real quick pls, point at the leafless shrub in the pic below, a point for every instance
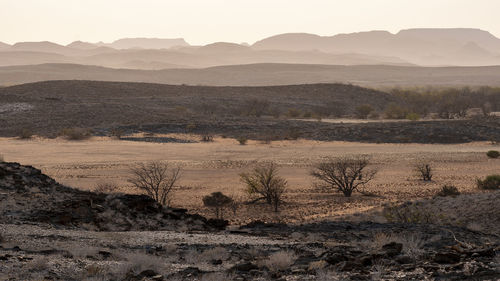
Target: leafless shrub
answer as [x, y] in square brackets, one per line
[424, 170]
[139, 262]
[156, 179]
[117, 133]
[281, 260]
[217, 201]
[345, 174]
[264, 181]
[410, 213]
[76, 133]
[216, 276]
[106, 187]
[217, 253]
[207, 137]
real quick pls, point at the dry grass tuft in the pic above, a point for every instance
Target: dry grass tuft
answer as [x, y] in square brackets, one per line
[281, 260]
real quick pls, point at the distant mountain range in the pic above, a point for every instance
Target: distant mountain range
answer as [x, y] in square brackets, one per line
[425, 47]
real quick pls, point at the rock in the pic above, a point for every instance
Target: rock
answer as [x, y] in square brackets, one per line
[148, 273]
[336, 258]
[392, 249]
[218, 223]
[245, 267]
[405, 260]
[446, 258]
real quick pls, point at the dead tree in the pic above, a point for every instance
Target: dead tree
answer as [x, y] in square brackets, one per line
[264, 182]
[156, 179]
[344, 174]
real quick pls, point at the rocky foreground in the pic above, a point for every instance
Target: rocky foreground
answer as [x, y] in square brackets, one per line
[52, 232]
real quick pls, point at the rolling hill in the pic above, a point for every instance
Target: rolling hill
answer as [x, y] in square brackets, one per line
[263, 74]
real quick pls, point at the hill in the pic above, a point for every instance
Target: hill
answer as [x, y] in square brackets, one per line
[263, 113]
[257, 74]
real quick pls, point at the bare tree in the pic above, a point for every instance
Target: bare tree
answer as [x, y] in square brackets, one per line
[264, 181]
[345, 174]
[156, 179]
[424, 170]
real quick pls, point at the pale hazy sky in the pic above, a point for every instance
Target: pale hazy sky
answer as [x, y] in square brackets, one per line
[207, 21]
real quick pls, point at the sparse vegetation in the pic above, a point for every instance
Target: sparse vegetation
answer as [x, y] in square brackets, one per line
[207, 137]
[448, 190]
[493, 154]
[409, 213]
[280, 261]
[491, 182]
[106, 187]
[242, 140]
[363, 111]
[117, 133]
[344, 174]
[217, 201]
[156, 179]
[26, 134]
[76, 133]
[264, 182]
[425, 171]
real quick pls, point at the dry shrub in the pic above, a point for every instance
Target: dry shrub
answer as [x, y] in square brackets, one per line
[139, 262]
[424, 170]
[75, 133]
[217, 253]
[117, 133]
[280, 261]
[344, 174]
[409, 212]
[242, 140]
[491, 182]
[2, 159]
[106, 187]
[156, 179]
[207, 137]
[264, 181]
[448, 190]
[26, 134]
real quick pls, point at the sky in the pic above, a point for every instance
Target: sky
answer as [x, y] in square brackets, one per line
[206, 21]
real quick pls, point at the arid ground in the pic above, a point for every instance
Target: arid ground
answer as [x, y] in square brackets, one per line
[215, 166]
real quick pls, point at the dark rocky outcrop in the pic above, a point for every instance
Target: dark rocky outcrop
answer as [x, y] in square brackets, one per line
[30, 196]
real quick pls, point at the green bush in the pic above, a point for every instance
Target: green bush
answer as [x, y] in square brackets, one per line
[242, 140]
[448, 190]
[490, 182]
[413, 116]
[493, 154]
[363, 111]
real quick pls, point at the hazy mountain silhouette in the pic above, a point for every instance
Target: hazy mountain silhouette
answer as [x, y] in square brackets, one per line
[82, 45]
[262, 75]
[147, 43]
[4, 46]
[413, 45]
[426, 47]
